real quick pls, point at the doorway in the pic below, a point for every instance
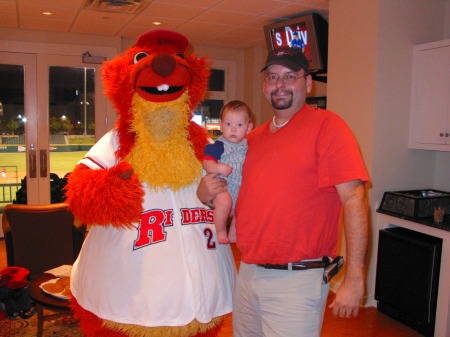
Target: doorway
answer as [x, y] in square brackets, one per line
[52, 110]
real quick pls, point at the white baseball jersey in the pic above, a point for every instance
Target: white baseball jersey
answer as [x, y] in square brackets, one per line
[166, 271]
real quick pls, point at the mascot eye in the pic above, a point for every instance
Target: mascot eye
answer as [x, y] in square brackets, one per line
[139, 56]
[180, 55]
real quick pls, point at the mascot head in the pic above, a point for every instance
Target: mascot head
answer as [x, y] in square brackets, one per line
[152, 75]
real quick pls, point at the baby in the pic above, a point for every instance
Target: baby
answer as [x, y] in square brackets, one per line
[226, 157]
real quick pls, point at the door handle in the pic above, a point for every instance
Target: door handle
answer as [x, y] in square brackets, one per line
[43, 163]
[32, 163]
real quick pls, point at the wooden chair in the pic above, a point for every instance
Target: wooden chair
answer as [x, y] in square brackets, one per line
[41, 237]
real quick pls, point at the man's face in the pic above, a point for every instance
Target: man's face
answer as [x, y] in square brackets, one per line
[287, 96]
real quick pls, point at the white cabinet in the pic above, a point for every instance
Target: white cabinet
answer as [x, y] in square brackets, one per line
[430, 97]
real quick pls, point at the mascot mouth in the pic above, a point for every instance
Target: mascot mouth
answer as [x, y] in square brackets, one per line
[162, 89]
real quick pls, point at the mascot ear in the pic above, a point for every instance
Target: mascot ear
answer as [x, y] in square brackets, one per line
[160, 36]
[201, 68]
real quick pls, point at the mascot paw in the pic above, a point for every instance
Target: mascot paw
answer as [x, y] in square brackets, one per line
[103, 197]
[123, 170]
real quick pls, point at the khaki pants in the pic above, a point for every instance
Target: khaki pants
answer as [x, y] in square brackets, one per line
[278, 303]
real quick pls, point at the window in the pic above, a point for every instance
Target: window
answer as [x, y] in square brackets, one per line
[220, 90]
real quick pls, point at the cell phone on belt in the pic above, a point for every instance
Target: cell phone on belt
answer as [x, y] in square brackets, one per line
[333, 268]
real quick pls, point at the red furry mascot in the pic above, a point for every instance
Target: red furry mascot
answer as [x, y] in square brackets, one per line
[150, 265]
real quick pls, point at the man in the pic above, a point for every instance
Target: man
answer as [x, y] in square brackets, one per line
[297, 42]
[302, 168]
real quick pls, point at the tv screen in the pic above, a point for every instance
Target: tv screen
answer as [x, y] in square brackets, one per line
[309, 32]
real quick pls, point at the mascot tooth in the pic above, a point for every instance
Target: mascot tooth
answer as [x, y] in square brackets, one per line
[150, 265]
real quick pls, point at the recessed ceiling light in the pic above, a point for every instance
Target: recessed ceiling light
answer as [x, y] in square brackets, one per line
[47, 13]
[156, 23]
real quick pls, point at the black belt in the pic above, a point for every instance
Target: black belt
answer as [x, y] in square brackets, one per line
[301, 265]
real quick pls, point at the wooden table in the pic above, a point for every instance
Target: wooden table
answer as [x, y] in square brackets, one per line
[45, 301]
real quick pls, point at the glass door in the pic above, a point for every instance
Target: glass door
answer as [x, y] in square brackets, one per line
[72, 108]
[55, 115]
[18, 99]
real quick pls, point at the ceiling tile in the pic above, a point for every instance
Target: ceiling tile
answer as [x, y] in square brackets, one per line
[58, 13]
[97, 28]
[208, 27]
[97, 17]
[165, 10]
[193, 3]
[225, 17]
[74, 4]
[45, 24]
[9, 21]
[253, 7]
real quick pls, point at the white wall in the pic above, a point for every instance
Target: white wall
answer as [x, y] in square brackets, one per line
[254, 59]
[441, 177]
[373, 46]
[351, 74]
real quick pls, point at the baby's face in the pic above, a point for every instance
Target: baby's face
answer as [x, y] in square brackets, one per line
[235, 125]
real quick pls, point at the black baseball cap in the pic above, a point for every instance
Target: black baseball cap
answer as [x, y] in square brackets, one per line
[288, 57]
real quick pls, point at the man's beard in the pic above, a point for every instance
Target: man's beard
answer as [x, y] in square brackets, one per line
[281, 104]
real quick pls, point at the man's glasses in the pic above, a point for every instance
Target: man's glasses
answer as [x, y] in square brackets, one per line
[286, 78]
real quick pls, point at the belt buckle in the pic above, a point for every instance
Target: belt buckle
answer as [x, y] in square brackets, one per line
[300, 265]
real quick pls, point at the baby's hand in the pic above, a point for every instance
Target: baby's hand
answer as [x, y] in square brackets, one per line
[226, 170]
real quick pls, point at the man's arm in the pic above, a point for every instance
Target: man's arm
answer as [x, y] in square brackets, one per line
[356, 226]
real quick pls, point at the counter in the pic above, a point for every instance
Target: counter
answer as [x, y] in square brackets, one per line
[427, 226]
[445, 226]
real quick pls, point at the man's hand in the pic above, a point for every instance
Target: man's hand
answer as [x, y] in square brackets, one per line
[209, 187]
[348, 298]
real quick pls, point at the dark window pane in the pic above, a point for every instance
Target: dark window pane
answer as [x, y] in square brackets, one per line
[72, 108]
[207, 114]
[212, 107]
[11, 97]
[217, 80]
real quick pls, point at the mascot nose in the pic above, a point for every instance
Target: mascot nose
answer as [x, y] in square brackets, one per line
[163, 64]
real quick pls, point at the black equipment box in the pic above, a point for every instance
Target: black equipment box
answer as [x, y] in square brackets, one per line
[407, 279]
[416, 203]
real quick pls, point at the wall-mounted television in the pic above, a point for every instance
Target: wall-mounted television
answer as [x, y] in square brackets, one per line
[312, 29]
